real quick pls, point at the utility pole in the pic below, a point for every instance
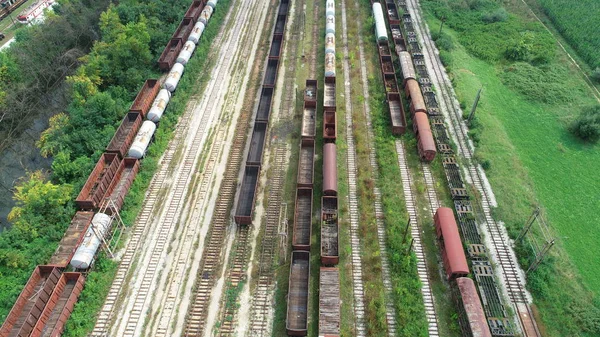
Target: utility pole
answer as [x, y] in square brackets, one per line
[441, 25]
[474, 106]
[529, 223]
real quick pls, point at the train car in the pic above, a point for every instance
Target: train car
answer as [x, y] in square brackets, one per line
[247, 197]
[28, 308]
[264, 105]
[186, 52]
[396, 113]
[93, 192]
[413, 93]
[306, 163]
[471, 316]
[125, 134]
[309, 114]
[174, 76]
[271, 73]
[453, 254]
[193, 13]
[185, 28]
[86, 252]
[145, 97]
[72, 239]
[276, 47]
[257, 144]
[297, 300]
[196, 33]
[329, 125]
[407, 67]
[330, 231]
[121, 183]
[329, 302]
[302, 219]
[169, 55]
[159, 105]
[380, 27]
[329, 169]
[142, 140]
[425, 142]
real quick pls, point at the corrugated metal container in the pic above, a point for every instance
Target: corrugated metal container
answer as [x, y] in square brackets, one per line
[31, 302]
[84, 255]
[194, 11]
[329, 169]
[144, 98]
[330, 8]
[185, 28]
[380, 28]
[408, 69]
[247, 197]
[93, 192]
[453, 253]
[196, 32]
[302, 219]
[186, 52]
[329, 65]
[330, 25]
[205, 15]
[472, 311]
[59, 306]
[330, 230]
[125, 133]
[297, 310]
[71, 240]
[174, 77]
[142, 140]
[122, 181]
[169, 54]
[330, 43]
[425, 142]
[159, 105]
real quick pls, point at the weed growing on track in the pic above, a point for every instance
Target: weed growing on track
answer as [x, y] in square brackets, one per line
[535, 161]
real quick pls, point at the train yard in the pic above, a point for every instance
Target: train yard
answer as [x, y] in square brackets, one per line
[201, 257]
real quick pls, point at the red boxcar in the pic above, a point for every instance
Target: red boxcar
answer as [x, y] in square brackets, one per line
[93, 192]
[329, 169]
[122, 181]
[425, 142]
[453, 253]
[470, 313]
[145, 97]
[169, 54]
[125, 134]
[413, 93]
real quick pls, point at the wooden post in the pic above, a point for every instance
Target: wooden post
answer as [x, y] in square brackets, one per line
[530, 222]
[412, 241]
[441, 25]
[406, 231]
[474, 106]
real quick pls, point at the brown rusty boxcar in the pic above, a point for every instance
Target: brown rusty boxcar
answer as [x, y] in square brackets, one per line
[297, 309]
[302, 219]
[329, 125]
[125, 134]
[194, 11]
[245, 207]
[28, 308]
[329, 169]
[306, 163]
[396, 113]
[94, 190]
[185, 28]
[169, 54]
[145, 97]
[425, 142]
[71, 240]
[122, 181]
[329, 302]
[470, 313]
[329, 93]
[329, 231]
[453, 253]
[413, 93]
[59, 306]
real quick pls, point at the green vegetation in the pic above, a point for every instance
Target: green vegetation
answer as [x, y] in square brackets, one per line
[578, 22]
[532, 159]
[587, 125]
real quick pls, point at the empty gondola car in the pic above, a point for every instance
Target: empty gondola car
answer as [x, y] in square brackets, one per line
[302, 219]
[297, 301]
[329, 302]
[453, 254]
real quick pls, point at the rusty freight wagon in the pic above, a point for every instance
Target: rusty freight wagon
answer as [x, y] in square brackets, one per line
[169, 54]
[30, 304]
[145, 97]
[309, 114]
[413, 93]
[396, 113]
[470, 311]
[125, 134]
[297, 301]
[329, 302]
[122, 181]
[185, 28]
[425, 142]
[306, 163]
[245, 208]
[264, 105]
[329, 231]
[271, 73]
[193, 13]
[71, 240]
[257, 144]
[453, 253]
[329, 169]
[302, 219]
[276, 47]
[93, 192]
[59, 306]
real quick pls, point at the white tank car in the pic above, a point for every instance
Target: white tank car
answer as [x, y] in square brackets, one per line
[84, 255]
[380, 28]
[330, 8]
[142, 140]
[329, 65]
[196, 32]
[159, 105]
[186, 52]
[174, 77]
[330, 44]
[212, 3]
[330, 24]
[206, 14]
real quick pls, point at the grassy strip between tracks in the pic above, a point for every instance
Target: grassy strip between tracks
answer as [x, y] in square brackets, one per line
[532, 160]
[193, 81]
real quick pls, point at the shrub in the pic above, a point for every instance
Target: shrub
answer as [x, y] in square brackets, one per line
[446, 58]
[498, 15]
[542, 84]
[595, 75]
[587, 125]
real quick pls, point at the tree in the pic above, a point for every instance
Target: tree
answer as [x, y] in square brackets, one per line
[587, 125]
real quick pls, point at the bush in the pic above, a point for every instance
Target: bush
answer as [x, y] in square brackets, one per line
[541, 84]
[587, 125]
[498, 15]
[446, 58]
[595, 75]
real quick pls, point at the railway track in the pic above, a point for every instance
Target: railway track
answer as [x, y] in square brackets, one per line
[501, 250]
[357, 281]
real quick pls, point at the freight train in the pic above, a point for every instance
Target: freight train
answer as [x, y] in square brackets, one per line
[49, 296]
